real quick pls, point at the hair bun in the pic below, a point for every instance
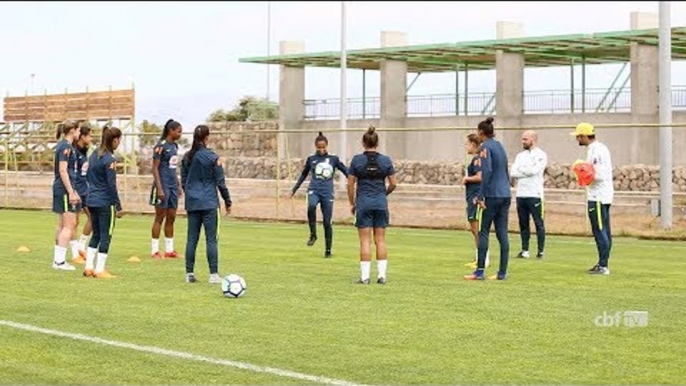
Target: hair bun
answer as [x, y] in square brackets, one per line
[371, 130]
[490, 119]
[321, 134]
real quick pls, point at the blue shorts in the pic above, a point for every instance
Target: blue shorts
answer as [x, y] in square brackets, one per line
[471, 211]
[171, 198]
[60, 204]
[371, 218]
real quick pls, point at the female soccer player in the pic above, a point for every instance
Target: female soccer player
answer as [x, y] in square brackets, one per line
[367, 192]
[78, 248]
[471, 182]
[321, 190]
[65, 202]
[201, 175]
[166, 189]
[103, 202]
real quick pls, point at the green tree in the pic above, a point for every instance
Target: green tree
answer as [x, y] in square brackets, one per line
[249, 108]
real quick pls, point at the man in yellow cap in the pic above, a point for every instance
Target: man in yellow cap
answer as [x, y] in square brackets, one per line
[600, 194]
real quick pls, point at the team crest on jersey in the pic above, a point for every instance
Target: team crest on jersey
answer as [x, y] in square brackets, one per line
[84, 169]
[173, 162]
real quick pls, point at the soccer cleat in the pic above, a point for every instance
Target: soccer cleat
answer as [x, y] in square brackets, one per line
[64, 266]
[215, 279]
[190, 278]
[311, 241]
[156, 256]
[595, 269]
[539, 255]
[82, 254]
[172, 255]
[78, 260]
[523, 255]
[88, 273]
[103, 275]
[381, 280]
[497, 276]
[474, 276]
[600, 271]
[327, 255]
[360, 281]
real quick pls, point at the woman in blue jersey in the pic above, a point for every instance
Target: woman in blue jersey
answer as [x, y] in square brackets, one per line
[103, 202]
[81, 146]
[65, 199]
[322, 166]
[202, 175]
[166, 188]
[367, 192]
[471, 183]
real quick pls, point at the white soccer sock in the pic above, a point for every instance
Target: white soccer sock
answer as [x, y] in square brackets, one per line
[74, 249]
[100, 265]
[381, 265]
[169, 245]
[60, 254]
[155, 246]
[365, 267]
[90, 258]
[83, 240]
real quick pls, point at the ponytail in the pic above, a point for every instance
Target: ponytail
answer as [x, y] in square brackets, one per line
[64, 128]
[199, 134]
[486, 127]
[321, 138]
[370, 139]
[109, 134]
[169, 126]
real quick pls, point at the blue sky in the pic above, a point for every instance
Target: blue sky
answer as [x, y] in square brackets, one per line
[183, 56]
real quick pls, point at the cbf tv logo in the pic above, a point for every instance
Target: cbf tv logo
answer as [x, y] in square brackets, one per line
[626, 319]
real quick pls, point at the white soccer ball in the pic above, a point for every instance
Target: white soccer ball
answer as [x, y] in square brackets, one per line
[323, 170]
[233, 286]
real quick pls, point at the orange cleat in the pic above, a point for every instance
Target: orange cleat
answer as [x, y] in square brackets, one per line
[88, 273]
[172, 255]
[103, 275]
[79, 260]
[156, 256]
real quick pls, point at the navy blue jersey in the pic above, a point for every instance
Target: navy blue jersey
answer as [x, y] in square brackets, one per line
[200, 179]
[371, 186]
[81, 183]
[472, 188]
[495, 175]
[166, 152]
[64, 152]
[102, 181]
[322, 168]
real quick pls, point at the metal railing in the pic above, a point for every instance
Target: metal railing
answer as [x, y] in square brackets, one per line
[613, 100]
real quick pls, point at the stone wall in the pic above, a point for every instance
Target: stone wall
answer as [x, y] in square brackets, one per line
[626, 178]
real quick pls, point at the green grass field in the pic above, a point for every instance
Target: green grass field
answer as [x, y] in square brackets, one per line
[302, 313]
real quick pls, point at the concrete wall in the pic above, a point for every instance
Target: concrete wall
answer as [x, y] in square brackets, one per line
[629, 146]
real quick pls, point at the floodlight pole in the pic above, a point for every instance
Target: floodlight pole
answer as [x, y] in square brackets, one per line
[665, 87]
[344, 100]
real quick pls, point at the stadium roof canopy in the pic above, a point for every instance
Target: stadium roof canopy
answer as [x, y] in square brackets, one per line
[545, 51]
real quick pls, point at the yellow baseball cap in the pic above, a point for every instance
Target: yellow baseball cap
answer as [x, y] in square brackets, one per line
[584, 128]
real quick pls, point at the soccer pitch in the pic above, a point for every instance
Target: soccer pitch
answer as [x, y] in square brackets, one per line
[302, 316]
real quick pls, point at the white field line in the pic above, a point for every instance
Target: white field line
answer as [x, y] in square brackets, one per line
[181, 354]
